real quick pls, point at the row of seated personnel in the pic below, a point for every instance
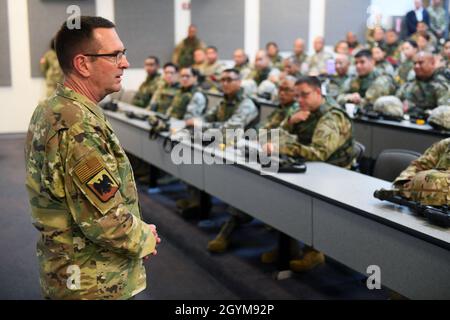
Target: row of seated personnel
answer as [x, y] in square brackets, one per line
[318, 131]
[176, 93]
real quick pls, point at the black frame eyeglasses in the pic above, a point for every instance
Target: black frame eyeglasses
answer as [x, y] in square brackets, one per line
[117, 55]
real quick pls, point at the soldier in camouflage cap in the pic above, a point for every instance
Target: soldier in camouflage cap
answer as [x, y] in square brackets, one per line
[164, 95]
[440, 118]
[389, 106]
[428, 90]
[369, 85]
[51, 70]
[321, 132]
[427, 179]
[80, 183]
[148, 87]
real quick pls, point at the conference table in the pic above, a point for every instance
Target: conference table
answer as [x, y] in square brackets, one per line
[327, 207]
[375, 134]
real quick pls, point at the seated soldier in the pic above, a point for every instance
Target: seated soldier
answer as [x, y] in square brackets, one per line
[317, 63]
[165, 93]
[319, 131]
[376, 37]
[148, 87]
[431, 166]
[368, 85]
[199, 60]
[291, 67]
[299, 54]
[189, 102]
[286, 107]
[405, 70]
[423, 43]
[262, 70]
[340, 80]
[353, 43]
[381, 64]
[234, 111]
[183, 53]
[212, 69]
[392, 47]
[422, 30]
[274, 56]
[428, 90]
[241, 63]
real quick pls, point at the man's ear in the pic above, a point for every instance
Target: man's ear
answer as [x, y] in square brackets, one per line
[81, 65]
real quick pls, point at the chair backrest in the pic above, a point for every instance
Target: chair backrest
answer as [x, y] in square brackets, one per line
[391, 162]
[358, 153]
[128, 96]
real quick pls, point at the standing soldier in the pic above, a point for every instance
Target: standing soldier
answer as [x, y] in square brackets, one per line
[148, 87]
[80, 183]
[438, 21]
[51, 70]
[183, 55]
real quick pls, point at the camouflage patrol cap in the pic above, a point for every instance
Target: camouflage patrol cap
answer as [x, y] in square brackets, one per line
[389, 106]
[440, 117]
[430, 188]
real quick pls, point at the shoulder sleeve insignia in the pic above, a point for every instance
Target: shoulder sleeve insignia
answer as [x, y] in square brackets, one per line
[103, 185]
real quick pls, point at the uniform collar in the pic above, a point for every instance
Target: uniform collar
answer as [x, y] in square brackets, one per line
[68, 93]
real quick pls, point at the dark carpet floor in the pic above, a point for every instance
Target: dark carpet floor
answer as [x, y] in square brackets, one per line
[183, 269]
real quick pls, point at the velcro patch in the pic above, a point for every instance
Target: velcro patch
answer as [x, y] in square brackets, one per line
[87, 169]
[103, 185]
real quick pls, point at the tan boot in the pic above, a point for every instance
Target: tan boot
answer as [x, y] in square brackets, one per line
[309, 261]
[222, 241]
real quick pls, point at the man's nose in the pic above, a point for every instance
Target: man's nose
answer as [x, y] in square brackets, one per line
[124, 64]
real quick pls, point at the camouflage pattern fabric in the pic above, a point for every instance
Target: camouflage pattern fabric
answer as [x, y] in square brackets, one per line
[404, 73]
[163, 97]
[183, 54]
[279, 115]
[84, 203]
[146, 90]
[52, 71]
[187, 103]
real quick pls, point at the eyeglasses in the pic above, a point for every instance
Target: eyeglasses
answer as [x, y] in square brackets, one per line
[228, 80]
[185, 76]
[118, 56]
[285, 89]
[303, 94]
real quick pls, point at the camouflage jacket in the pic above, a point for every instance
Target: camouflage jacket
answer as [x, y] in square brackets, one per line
[337, 84]
[233, 112]
[393, 52]
[146, 90]
[277, 62]
[404, 73]
[244, 70]
[327, 135]
[259, 75]
[437, 18]
[300, 59]
[212, 73]
[188, 103]
[370, 88]
[436, 157]
[275, 119]
[84, 203]
[183, 54]
[52, 71]
[163, 97]
[425, 94]
[317, 63]
[385, 67]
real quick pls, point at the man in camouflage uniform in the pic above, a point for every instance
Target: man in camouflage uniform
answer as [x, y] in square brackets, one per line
[212, 69]
[434, 163]
[381, 64]
[353, 43]
[341, 79]
[422, 30]
[163, 97]
[405, 70]
[369, 85]
[148, 87]
[241, 63]
[428, 90]
[183, 55]
[236, 111]
[299, 52]
[51, 70]
[81, 189]
[437, 18]
[188, 102]
[392, 47]
[376, 37]
[317, 63]
[446, 54]
[287, 106]
[319, 131]
[262, 70]
[274, 56]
